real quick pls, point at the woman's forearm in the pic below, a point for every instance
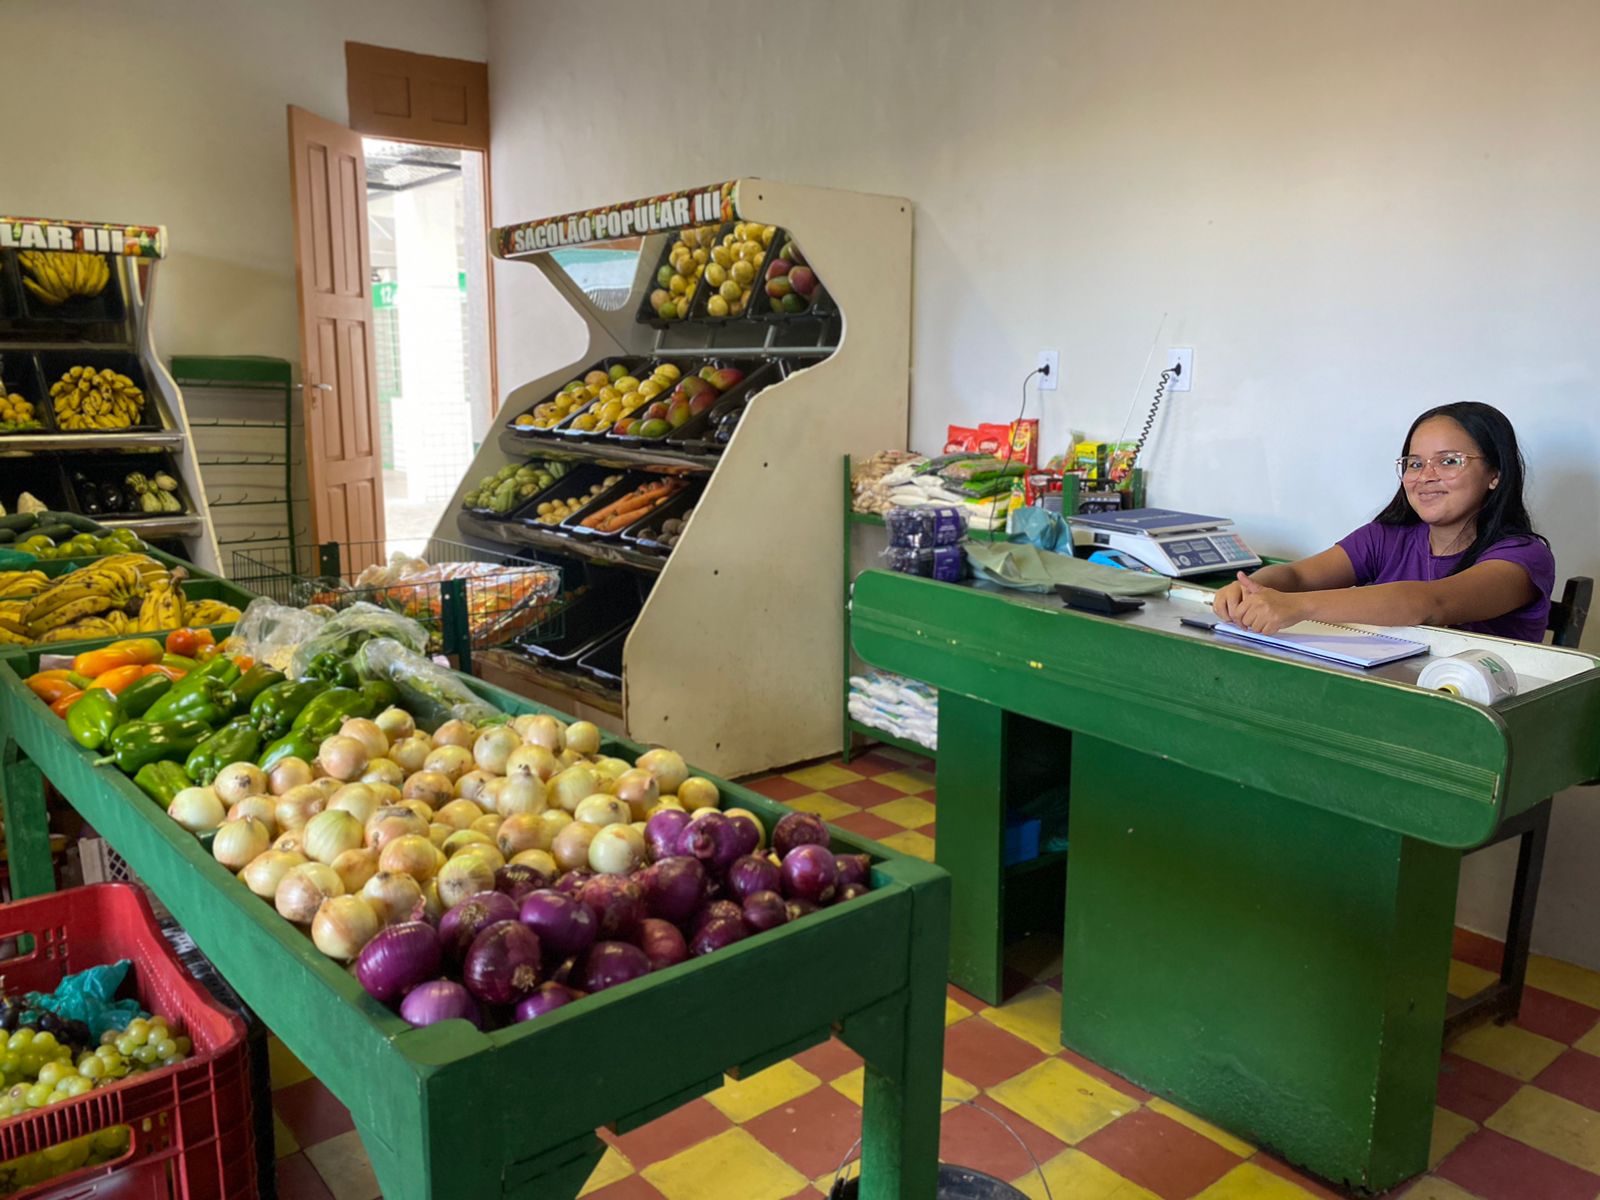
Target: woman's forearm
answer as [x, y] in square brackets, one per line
[1281, 576]
[1378, 604]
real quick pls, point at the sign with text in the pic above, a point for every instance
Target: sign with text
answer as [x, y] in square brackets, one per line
[83, 237]
[708, 205]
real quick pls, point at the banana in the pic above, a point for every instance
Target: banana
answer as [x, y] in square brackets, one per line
[66, 614]
[88, 627]
[162, 608]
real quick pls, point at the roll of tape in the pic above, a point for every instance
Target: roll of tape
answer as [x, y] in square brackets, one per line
[1477, 675]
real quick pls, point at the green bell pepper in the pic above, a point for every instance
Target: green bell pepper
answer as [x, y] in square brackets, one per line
[220, 667]
[323, 716]
[137, 698]
[332, 667]
[295, 744]
[179, 662]
[380, 694]
[237, 741]
[139, 743]
[250, 685]
[276, 708]
[161, 781]
[91, 720]
[195, 698]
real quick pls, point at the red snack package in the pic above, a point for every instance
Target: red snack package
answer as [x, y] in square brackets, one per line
[992, 439]
[959, 438]
[1024, 438]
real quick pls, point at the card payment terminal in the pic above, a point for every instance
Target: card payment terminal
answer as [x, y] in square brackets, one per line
[1172, 543]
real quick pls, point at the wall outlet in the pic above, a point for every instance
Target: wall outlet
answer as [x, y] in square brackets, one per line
[1183, 357]
[1049, 360]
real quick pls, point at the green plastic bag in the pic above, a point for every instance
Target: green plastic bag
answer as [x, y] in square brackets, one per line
[90, 997]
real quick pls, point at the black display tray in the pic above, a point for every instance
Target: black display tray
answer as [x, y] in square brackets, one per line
[107, 307]
[644, 532]
[604, 661]
[702, 296]
[38, 474]
[19, 373]
[821, 306]
[647, 315]
[53, 364]
[629, 481]
[115, 468]
[575, 483]
[632, 362]
[11, 288]
[610, 604]
[695, 435]
[686, 369]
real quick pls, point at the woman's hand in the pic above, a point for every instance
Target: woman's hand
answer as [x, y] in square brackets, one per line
[1227, 601]
[1263, 609]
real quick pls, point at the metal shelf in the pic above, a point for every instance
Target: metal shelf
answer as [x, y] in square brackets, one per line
[515, 533]
[184, 525]
[606, 454]
[46, 442]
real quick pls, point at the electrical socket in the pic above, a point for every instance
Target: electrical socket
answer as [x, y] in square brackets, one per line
[1049, 360]
[1182, 357]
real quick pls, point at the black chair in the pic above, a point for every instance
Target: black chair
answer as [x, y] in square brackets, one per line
[1502, 1000]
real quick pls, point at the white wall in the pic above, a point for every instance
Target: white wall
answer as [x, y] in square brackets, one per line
[1350, 211]
[173, 112]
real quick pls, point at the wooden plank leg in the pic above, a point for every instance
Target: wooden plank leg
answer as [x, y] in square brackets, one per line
[27, 824]
[1274, 968]
[971, 775]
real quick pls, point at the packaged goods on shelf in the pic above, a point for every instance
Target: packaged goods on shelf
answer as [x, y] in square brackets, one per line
[897, 705]
[945, 563]
[920, 527]
[873, 480]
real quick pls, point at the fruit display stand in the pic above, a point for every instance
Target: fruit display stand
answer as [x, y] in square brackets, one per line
[1264, 851]
[448, 1111]
[59, 319]
[744, 606]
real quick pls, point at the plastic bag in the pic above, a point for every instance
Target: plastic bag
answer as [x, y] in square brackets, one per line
[90, 996]
[269, 632]
[351, 629]
[431, 693]
[918, 527]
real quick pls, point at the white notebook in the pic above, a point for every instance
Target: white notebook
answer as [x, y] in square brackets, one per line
[1336, 643]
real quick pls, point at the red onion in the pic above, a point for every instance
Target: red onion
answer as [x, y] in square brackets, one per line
[440, 1000]
[749, 833]
[564, 925]
[798, 829]
[503, 964]
[547, 997]
[800, 908]
[714, 840]
[850, 891]
[751, 874]
[763, 911]
[809, 874]
[397, 959]
[611, 963]
[517, 880]
[725, 910]
[617, 903]
[464, 922]
[572, 882]
[673, 888]
[661, 942]
[662, 831]
[853, 868]
[718, 934]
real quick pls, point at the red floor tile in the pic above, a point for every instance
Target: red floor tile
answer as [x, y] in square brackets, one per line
[864, 793]
[311, 1112]
[829, 1060]
[811, 1134]
[679, 1129]
[1309, 1182]
[984, 1054]
[1472, 1089]
[1556, 1016]
[298, 1180]
[931, 829]
[1477, 949]
[1053, 982]
[776, 787]
[965, 999]
[871, 763]
[1498, 1168]
[1122, 1085]
[1159, 1154]
[968, 1138]
[1044, 1146]
[1576, 1076]
[631, 1188]
[868, 826]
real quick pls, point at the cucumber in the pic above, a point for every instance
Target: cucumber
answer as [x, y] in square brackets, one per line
[20, 523]
[7, 535]
[56, 533]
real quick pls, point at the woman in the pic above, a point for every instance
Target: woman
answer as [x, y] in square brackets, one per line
[1454, 547]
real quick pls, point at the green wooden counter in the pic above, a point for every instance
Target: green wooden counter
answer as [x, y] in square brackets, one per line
[450, 1113]
[1263, 852]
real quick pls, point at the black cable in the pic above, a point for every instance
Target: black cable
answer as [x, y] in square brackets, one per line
[1167, 377]
[1011, 433]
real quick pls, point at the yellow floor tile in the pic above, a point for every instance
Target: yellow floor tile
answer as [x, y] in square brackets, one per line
[1509, 1049]
[1436, 1189]
[1073, 1175]
[1204, 1128]
[829, 808]
[1589, 1043]
[283, 1139]
[1468, 980]
[1250, 1182]
[1564, 979]
[908, 781]
[286, 1069]
[742, 1099]
[1063, 1100]
[730, 1166]
[908, 811]
[823, 776]
[1033, 1015]
[954, 1011]
[851, 1084]
[1449, 1131]
[613, 1166]
[1550, 1123]
[344, 1167]
[954, 1090]
[910, 841]
[824, 1183]
[1038, 956]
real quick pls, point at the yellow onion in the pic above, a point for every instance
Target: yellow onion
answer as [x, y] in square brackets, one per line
[409, 753]
[667, 766]
[571, 845]
[493, 747]
[472, 786]
[439, 833]
[612, 768]
[298, 805]
[539, 860]
[386, 824]
[355, 867]
[259, 807]
[666, 804]
[488, 798]
[197, 809]
[357, 799]
[699, 792]
[327, 785]
[584, 737]
[540, 729]
[602, 810]
[488, 825]
[388, 794]
[700, 812]
[239, 843]
[458, 814]
[396, 724]
[342, 926]
[450, 761]
[342, 757]
[488, 852]
[416, 856]
[464, 876]
[455, 733]
[288, 773]
[431, 787]
[535, 761]
[554, 820]
[266, 871]
[462, 838]
[521, 794]
[329, 834]
[384, 770]
[616, 850]
[421, 807]
[292, 840]
[238, 780]
[523, 831]
[393, 895]
[368, 734]
[570, 788]
[303, 890]
[432, 907]
[639, 791]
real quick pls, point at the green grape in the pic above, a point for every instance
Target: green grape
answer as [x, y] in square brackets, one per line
[126, 1045]
[21, 1038]
[146, 1054]
[45, 1039]
[56, 1097]
[166, 1048]
[108, 1037]
[185, 1046]
[76, 1085]
[137, 1032]
[38, 1095]
[93, 1067]
[53, 1073]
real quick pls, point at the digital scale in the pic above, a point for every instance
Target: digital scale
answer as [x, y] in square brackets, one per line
[1171, 543]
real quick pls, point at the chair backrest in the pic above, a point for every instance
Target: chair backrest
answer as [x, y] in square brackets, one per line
[1568, 614]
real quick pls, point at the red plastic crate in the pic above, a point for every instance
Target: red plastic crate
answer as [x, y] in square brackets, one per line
[191, 1129]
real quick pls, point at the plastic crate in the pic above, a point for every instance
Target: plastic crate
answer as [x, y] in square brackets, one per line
[189, 1125]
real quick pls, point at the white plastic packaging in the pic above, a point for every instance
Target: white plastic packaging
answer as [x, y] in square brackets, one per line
[1477, 675]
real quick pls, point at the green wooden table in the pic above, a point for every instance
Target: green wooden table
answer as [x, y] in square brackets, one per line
[1263, 852]
[449, 1112]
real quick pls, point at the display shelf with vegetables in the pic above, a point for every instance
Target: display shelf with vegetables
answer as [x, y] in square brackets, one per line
[386, 1039]
[803, 397]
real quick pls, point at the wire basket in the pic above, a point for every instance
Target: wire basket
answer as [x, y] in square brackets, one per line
[466, 598]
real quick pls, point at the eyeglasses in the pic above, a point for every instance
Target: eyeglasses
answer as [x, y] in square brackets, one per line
[1448, 464]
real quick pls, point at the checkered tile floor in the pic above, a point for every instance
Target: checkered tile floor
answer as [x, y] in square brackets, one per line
[1518, 1115]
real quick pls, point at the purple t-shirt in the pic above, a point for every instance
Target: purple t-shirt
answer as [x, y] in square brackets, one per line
[1400, 553]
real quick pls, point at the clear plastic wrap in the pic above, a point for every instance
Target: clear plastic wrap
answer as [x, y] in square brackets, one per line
[924, 527]
[358, 624]
[946, 563]
[431, 693]
[269, 632]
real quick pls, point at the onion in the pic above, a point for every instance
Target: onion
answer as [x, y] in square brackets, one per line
[661, 942]
[493, 747]
[571, 845]
[266, 871]
[503, 964]
[748, 830]
[723, 910]
[433, 787]
[701, 812]
[421, 807]
[463, 876]
[357, 799]
[397, 959]
[617, 903]
[522, 831]
[392, 895]
[521, 794]
[667, 804]
[584, 737]
[488, 797]
[602, 810]
[611, 963]
[413, 855]
[565, 925]
[851, 891]
[458, 814]
[384, 770]
[329, 834]
[342, 757]
[667, 766]
[533, 761]
[429, 908]
[540, 860]
[539, 729]
[674, 888]
[699, 792]
[396, 724]
[343, 926]
[355, 867]
[488, 825]
[440, 1000]
[460, 839]
[298, 805]
[662, 833]
[809, 873]
[389, 823]
[853, 868]
[763, 911]
[798, 829]
[302, 891]
[714, 840]
[639, 791]
[388, 794]
[259, 807]
[409, 753]
[464, 922]
[473, 786]
[292, 841]
[197, 809]
[545, 998]
[800, 908]
[488, 854]
[239, 843]
[327, 785]
[718, 934]
[238, 780]
[751, 874]
[288, 773]
[455, 733]
[518, 880]
[612, 768]
[450, 761]
[570, 788]
[571, 882]
[616, 850]
[439, 834]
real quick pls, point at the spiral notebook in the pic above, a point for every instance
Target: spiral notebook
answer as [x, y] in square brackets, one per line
[1334, 643]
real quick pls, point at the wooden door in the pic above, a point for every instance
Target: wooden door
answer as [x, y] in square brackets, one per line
[344, 461]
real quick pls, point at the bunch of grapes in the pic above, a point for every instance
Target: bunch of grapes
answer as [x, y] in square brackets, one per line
[39, 1070]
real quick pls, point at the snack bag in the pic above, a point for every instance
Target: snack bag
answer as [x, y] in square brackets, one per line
[1024, 439]
[959, 438]
[993, 439]
[1119, 463]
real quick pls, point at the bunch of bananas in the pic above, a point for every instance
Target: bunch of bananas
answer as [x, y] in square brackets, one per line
[16, 414]
[56, 277]
[209, 612]
[22, 585]
[96, 600]
[89, 399]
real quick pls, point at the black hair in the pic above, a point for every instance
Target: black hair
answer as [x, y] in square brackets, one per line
[1504, 514]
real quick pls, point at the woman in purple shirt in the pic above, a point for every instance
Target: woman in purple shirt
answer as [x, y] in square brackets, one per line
[1454, 547]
